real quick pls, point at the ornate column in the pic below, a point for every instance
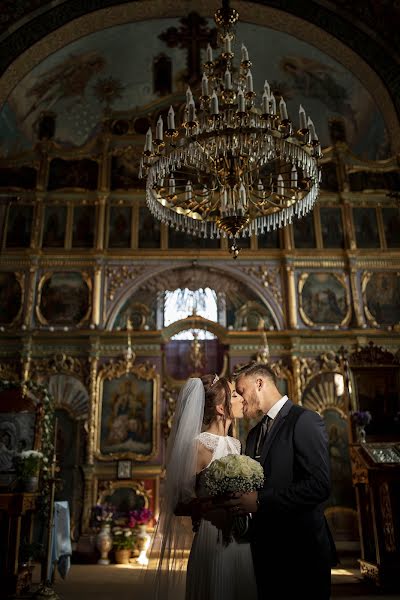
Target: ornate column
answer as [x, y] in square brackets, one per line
[292, 297]
[296, 379]
[96, 298]
[93, 400]
[26, 357]
[357, 305]
[30, 294]
[101, 220]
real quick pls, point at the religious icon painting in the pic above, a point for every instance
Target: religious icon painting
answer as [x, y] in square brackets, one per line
[128, 408]
[391, 225]
[120, 227]
[331, 226]
[78, 174]
[84, 225]
[366, 227]
[381, 295]
[324, 299]
[64, 298]
[124, 469]
[149, 229]
[55, 219]
[19, 226]
[304, 232]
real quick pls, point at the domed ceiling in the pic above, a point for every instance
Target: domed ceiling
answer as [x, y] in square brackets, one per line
[114, 68]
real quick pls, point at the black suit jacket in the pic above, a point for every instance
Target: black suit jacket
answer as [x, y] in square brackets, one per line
[289, 534]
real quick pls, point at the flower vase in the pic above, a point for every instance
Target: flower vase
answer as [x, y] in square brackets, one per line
[143, 543]
[360, 434]
[104, 544]
[30, 484]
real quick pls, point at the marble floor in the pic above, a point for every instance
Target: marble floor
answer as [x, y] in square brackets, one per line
[120, 582]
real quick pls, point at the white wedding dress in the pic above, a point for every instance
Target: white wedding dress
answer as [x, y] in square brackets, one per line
[217, 571]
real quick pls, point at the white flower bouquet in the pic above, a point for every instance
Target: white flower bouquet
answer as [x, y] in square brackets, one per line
[235, 473]
[231, 474]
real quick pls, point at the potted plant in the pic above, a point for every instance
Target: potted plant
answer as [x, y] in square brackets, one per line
[123, 539]
[28, 465]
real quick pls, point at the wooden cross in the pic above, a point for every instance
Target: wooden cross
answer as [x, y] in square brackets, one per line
[192, 35]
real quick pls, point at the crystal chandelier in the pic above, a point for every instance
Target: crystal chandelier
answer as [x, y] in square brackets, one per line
[234, 166]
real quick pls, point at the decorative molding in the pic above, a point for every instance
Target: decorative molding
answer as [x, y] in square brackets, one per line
[118, 276]
[60, 363]
[358, 467]
[373, 355]
[270, 279]
[387, 517]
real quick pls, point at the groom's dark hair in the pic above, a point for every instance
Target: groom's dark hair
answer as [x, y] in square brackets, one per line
[257, 369]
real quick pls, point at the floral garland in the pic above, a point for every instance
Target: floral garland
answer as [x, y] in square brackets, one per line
[47, 438]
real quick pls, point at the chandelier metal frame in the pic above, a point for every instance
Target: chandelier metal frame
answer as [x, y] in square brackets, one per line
[231, 168]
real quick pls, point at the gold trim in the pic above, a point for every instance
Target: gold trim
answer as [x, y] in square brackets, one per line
[341, 277]
[115, 370]
[107, 488]
[86, 278]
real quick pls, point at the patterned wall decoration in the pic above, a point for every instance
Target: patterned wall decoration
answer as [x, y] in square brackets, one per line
[324, 299]
[381, 295]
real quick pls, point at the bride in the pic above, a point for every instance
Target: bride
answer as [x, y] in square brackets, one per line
[199, 435]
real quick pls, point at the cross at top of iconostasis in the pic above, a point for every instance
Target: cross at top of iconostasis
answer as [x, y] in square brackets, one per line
[193, 35]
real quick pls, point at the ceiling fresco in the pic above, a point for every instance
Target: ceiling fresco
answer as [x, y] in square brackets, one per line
[75, 84]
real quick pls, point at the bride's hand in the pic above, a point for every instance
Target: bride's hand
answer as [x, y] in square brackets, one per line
[242, 504]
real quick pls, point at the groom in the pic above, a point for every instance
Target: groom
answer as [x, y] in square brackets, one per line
[291, 544]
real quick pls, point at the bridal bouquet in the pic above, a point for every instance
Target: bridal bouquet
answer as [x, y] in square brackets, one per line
[233, 473]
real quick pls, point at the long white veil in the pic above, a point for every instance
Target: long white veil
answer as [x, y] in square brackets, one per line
[173, 535]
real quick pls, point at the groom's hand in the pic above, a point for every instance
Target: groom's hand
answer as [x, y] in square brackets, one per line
[241, 504]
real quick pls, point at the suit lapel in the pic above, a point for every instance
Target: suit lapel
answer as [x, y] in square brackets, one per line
[280, 420]
[252, 440]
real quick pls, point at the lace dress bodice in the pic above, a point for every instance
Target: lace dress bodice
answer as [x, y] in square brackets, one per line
[220, 445]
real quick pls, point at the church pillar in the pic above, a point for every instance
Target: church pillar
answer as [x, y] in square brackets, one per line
[101, 220]
[30, 293]
[96, 298]
[93, 403]
[292, 303]
[356, 297]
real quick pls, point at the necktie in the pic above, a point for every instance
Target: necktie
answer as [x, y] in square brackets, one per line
[264, 429]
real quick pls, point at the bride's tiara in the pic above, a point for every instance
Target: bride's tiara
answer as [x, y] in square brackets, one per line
[216, 378]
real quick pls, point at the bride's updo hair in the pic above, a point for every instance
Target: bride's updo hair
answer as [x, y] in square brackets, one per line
[216, 393]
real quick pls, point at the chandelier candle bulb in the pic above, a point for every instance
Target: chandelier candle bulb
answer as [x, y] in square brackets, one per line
[241, 103]
[265, 102]
[280, 187]
[227, 44]
[245, 54]
[148, 147]
[171, 186]
[160, 129]
[283, 110]
[209, 54]
[249, 81]
[192, 112]
[188, 191]
[302, 118]
[272, 102]
[214, 109]
[171, 118]
[204, 85]
[267, 88]
[189, 96]
[313, 134]
[228, 80]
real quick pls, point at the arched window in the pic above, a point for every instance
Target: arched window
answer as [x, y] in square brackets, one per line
[182, 303]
